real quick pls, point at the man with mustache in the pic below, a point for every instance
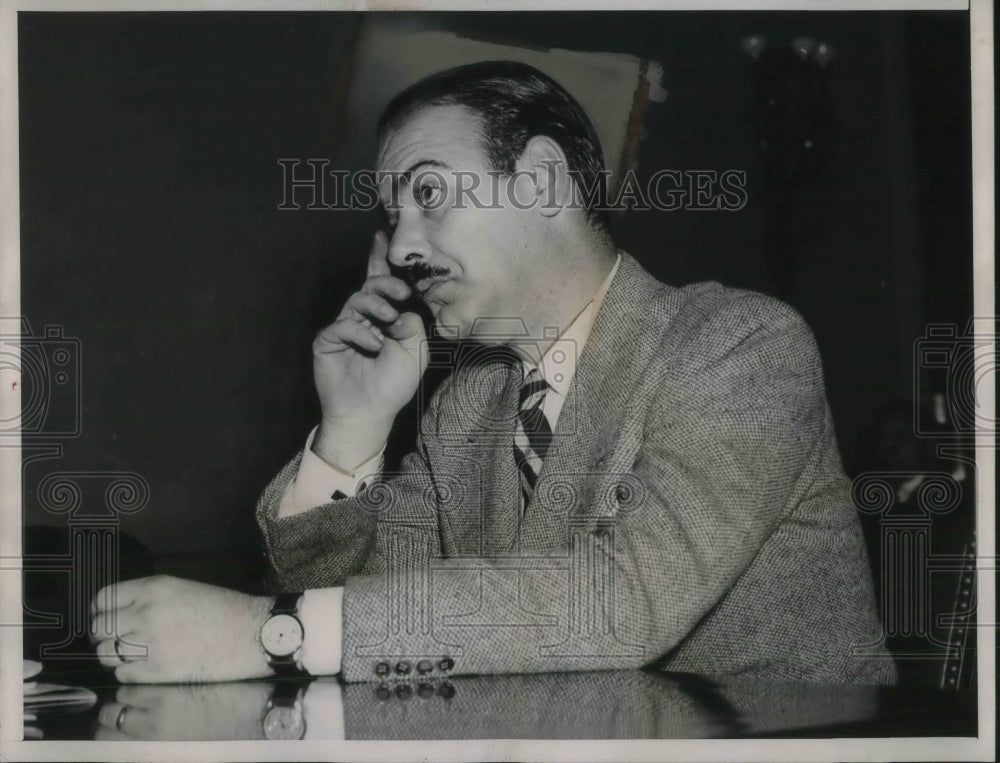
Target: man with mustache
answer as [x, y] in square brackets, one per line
[644, 474]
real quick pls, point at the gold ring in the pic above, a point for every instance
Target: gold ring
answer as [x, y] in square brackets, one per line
[121, 717]
[118, 651]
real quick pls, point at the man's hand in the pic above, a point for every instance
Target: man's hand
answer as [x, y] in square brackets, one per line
[185, 713]
[172, 631]
[367, 364]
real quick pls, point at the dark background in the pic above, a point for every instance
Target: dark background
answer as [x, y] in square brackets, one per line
[150, 229]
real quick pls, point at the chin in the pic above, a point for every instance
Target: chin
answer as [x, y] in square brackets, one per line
[451, 324]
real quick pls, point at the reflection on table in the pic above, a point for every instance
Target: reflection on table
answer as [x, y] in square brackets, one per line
[595, 705]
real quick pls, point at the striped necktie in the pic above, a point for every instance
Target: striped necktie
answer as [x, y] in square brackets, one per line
[532, 434]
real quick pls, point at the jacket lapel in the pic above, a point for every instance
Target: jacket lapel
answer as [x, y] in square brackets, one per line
[590, 421]
[479, 450]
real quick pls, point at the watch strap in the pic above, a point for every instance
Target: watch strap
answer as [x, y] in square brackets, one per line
[286, 603]
[285, 667]
[285, 693]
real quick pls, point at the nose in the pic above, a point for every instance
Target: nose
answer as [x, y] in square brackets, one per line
[409, 242]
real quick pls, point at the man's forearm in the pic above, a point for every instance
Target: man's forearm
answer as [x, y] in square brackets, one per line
[315, 548]
[349, 442]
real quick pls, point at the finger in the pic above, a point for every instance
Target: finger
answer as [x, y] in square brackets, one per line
[106, 654]
[143, 697]
[107, 716]
[371, 306]
[372, 327]
[134, 720]
[111, 657]
[407, 326]
[141, 672]
[347, 332]
[378, 255]
[369, 325]
[387, 286]
[132, 647]
[113, 623]
[117, 595]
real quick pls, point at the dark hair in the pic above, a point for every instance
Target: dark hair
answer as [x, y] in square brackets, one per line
[513, 102]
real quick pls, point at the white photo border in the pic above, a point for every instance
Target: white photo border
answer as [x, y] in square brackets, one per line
[904, 748]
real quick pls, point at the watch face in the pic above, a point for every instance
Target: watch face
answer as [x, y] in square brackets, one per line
[284, 723]
[281, 635]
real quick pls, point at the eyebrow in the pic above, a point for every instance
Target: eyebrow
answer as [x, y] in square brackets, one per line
[408, 173]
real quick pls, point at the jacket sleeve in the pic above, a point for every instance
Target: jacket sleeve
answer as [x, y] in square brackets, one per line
[599, 705]
[655, 541]
[321, 547]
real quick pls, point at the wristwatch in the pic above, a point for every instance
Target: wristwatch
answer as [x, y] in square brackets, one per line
[282, 635]
[283, 718]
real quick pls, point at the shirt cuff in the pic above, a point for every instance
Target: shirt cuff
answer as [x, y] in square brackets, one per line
[317, 482]
[321, 612]
[323, 710]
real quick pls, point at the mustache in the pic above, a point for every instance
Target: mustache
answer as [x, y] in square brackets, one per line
[413, 274]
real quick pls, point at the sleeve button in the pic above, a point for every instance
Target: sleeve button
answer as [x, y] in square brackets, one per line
[382, 693]
[424, 667]
[403, 668]
[446, 664]
[404, 691]
[446, 690]
[382, 669]
[425, 690]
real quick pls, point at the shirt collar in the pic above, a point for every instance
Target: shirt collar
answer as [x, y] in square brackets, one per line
[558, 364]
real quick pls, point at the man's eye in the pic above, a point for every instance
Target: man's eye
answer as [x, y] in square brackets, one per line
[428, 196]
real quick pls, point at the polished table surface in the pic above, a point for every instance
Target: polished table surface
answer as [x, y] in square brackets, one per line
[595, 705]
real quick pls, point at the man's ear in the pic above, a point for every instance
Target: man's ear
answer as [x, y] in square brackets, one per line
[545, 161]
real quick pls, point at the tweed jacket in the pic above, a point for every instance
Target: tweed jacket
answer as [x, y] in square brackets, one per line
[692, 511]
